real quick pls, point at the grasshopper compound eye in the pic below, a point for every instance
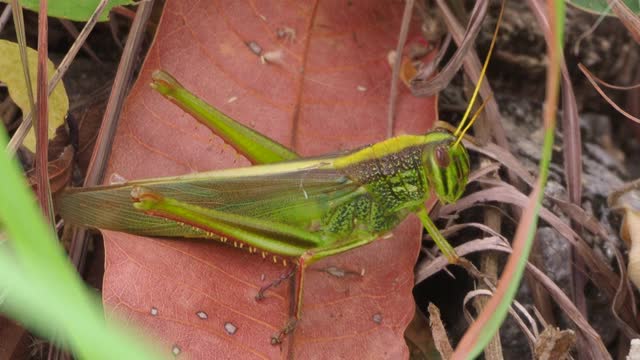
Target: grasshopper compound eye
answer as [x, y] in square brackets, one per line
[448, 168]
[441, 154]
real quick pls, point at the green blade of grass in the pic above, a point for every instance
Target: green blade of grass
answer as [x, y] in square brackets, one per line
[486, 326]
[40, 287]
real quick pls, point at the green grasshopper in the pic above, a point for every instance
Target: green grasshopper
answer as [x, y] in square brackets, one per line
[287, 208]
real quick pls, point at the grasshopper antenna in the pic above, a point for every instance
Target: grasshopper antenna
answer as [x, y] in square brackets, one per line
[473, 119]
[482, 76]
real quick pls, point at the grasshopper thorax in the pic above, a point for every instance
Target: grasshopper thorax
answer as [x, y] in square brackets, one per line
[447, 166]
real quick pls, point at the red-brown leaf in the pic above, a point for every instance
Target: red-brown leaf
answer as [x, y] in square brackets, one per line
[328, 92]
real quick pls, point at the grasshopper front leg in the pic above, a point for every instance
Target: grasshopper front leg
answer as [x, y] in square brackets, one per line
[447, 250]
[442, 243]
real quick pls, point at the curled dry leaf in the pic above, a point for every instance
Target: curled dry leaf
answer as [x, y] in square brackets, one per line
[568, 307]
[419, 338]
[419, 57]
[555, 344]
[627, 200]
[439, 332]
[60, 171]
[634, 350]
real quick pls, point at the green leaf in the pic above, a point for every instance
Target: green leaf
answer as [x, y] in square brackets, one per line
[11, 74]
[601, 7]
[76, 10]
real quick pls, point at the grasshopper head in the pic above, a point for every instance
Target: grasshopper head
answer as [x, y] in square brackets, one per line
[447, 165]
[446, 160]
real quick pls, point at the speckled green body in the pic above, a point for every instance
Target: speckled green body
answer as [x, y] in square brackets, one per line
[392, 185]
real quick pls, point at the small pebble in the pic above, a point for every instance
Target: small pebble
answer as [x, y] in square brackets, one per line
[202, 315]
[175, 350]
[230, 328]
[254, 47]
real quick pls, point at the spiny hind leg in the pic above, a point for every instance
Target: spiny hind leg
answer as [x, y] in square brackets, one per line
[283, 277]
[303, 262]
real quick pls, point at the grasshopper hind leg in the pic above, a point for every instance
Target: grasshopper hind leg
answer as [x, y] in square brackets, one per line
[276, 339]
[285, 276]
[303, 262]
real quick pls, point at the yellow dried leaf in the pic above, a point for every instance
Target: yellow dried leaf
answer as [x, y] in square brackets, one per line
[12, 75]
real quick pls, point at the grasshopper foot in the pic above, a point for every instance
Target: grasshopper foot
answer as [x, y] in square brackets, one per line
[283, 277]
[471, 269]
[277, 338]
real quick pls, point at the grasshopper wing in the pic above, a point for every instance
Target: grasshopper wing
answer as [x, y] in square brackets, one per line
[294, 193]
